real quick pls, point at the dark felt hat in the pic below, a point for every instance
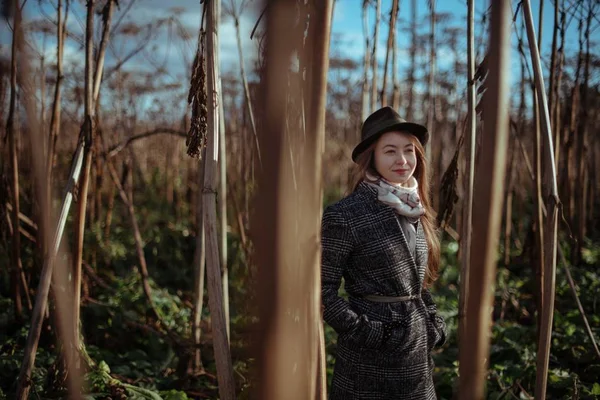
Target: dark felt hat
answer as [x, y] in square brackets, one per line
[384, 120]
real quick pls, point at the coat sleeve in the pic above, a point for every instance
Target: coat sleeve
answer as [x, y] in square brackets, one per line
[437, 320]
[337, 244]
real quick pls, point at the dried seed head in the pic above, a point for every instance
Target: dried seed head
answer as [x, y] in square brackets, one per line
[197, 98]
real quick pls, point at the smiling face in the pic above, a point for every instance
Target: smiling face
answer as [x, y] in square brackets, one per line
[395, 157]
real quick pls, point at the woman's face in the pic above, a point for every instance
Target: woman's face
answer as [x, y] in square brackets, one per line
[395, 157]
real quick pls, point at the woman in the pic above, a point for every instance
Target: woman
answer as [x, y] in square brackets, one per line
[382, 240]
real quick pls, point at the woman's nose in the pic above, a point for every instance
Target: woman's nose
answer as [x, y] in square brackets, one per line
[401, 160]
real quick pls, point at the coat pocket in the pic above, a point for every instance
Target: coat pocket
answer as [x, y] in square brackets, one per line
[367, 332]
[409, 333]
[436, 331]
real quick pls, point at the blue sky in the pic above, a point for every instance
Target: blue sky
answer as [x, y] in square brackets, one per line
[348, 27]
[348, 20]
[165, 51]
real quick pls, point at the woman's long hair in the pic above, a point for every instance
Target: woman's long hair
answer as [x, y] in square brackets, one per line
[365, 162]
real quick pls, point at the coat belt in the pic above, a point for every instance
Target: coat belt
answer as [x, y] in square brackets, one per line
[389, 299]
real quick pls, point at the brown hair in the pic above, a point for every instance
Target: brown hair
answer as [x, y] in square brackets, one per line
[365, 162]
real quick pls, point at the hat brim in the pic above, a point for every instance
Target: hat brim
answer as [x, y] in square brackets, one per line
[419, 131]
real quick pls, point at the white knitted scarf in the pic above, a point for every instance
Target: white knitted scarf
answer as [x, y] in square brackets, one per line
[404, 200]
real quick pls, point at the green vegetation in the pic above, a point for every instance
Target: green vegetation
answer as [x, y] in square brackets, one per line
[132, 358]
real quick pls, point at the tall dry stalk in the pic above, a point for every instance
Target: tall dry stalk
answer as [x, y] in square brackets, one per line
[288, 206]
[487, 210]
[88, 127]
[508, 202]
[551, 222]
[43, 290]
[395, 82]
[48, 273]
[197, 99]
[391, 43]
[431, 90]
[365, 102]
[374, 61]
[413, 61]
[213, 268]
[235, 12]
[582, 142]
[553, 77]
[107, 13]
[222, 201]
[555, 112]
[16, 267]
[570, 160]
[93, 72]
[61, 34]
[470, 168]
[538, 201]
[199, 271]
[316, 85]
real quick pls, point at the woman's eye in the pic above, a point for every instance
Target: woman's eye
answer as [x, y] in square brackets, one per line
[389, 152]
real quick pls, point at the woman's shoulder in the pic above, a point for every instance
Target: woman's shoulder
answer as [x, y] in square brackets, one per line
[354, 203]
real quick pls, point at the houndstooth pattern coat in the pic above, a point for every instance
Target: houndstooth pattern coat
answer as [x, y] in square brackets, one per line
[362, 241]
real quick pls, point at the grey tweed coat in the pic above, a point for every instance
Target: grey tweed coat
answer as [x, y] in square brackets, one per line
[363, 242]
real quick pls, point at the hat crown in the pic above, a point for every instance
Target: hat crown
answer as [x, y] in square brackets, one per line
[383, 117]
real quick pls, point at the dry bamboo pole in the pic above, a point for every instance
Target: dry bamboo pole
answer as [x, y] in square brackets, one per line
[199, 271]
[583, 143]
[508, 204]
[395, 84]
[413, 61]
[319, 32]
[88, 122]
[199, 265]
[42, 84]
[553, 78]
[374, 64]
[390, 48]
[557, 123]
[93, 78]
[236, 20]
[538, 201]
[99, 64]
[24, 379]
[222, 200]
[62, 290]
[16, 267]
[365, 102]
[209, 211]
[41, 299]
[551, 223]
[287, 214]
[556, 109]
[90, 97]
[61, 34]
[431, 83]
[487, 211]
[470, 168]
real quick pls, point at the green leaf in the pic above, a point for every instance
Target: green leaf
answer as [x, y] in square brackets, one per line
[174, 395]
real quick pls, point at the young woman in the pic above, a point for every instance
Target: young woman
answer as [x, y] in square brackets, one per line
[382, 240]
